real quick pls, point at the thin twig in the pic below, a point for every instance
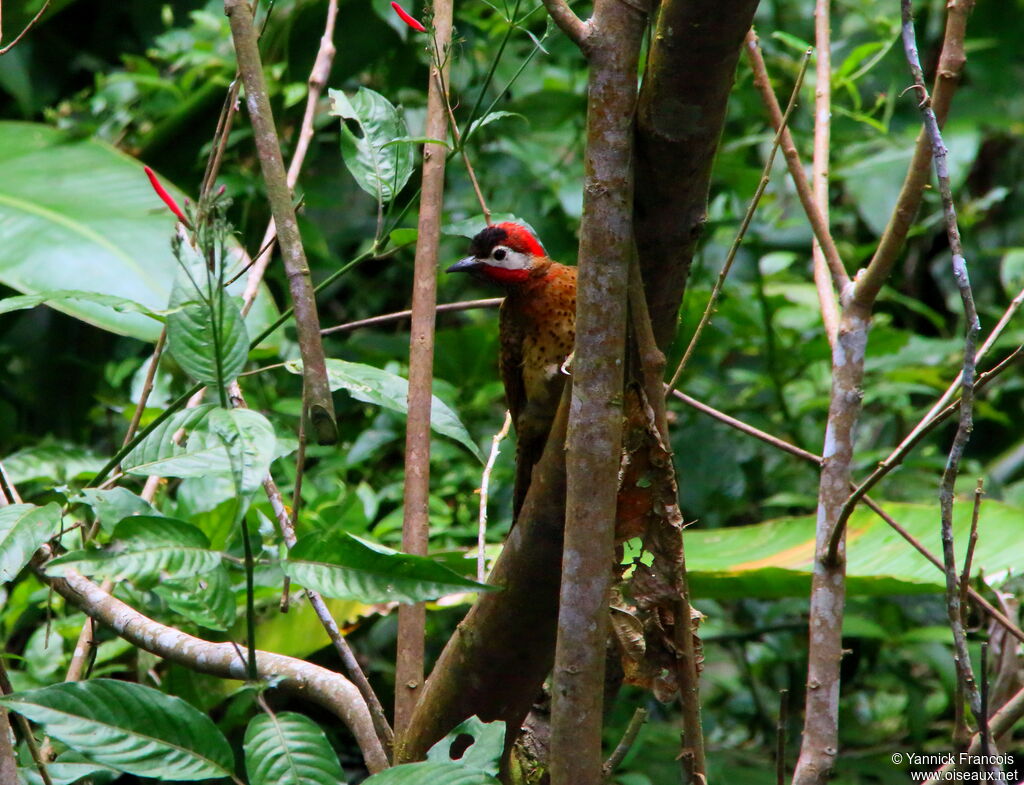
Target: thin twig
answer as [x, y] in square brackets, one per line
[220, 137]
[983, 732]
[462, 148]
[1001, 722]
[820, 164]
[9, 491]
[636, 724]
[840, 278]
[397, 316]
[348, 660]
[318, 76]
[922, 429]
[927, 423]
[26, 729]
[147, 387]
[973, 327]
[744, 224]
[485, 481]
[947, 76]
[28, 27]
[318, 403]
[972, 541]
[780, 738]
[810, 457]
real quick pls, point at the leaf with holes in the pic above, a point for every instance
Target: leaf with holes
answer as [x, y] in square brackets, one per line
[135, 729]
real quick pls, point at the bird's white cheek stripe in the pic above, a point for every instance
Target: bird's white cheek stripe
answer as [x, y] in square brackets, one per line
[514, 260]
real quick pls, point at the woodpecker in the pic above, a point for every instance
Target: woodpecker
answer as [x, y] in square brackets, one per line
[537, 333]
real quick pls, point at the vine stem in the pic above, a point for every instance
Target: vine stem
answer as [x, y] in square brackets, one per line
[744, 225]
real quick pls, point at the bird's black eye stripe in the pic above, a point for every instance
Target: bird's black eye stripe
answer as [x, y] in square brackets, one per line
[499, 254]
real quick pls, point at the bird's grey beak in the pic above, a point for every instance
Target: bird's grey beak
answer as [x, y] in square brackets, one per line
[466, 265]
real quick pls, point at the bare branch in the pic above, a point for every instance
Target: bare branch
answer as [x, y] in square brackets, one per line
[331, 690]
[810, 457]
[973, 327]
[409, 669]
[485, 482]
[28, 27]
[574, 28]
[780, 738]
[318, 76]
[1001, 722]
[636, 724]
[947, 77]
[397, 316]
[840, 279]
[820, 165]
[318, 403]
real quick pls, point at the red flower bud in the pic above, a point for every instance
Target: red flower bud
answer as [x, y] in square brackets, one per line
[165, 197]
[412, 21]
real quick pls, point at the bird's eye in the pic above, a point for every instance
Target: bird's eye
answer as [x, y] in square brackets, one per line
[499, 254]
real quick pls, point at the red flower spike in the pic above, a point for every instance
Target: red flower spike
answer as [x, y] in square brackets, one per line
[165, 197]
[412, 21]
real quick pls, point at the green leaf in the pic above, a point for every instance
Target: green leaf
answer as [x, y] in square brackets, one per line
[289, 749]
[133, 728]
[1011, 271]
[82, 213]
[249, 441]
[431, 773]
[484, 754]
[114, 505]
[382, 388]
[477, 766]
[55, 462]
[347, 567]
[23, 529]
[149, 547]
[205, 330]
[207, 600]
[776, 558]
[489, 118]
[472, 226]
[48, 297]
[159, 454]
[369, 123]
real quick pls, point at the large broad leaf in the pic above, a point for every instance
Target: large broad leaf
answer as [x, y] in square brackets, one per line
[114, 505]
[79, 215]
[478, 765]
[133, 728]
[249, 442]
[205, 330]
[23, 528]
[238, 443]
[207, 599]
[369, 123]
[289, 749]
[485, 751]
[345, 566]
[776, 558]
[159, 454]
[147, 547]
[373, 385]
